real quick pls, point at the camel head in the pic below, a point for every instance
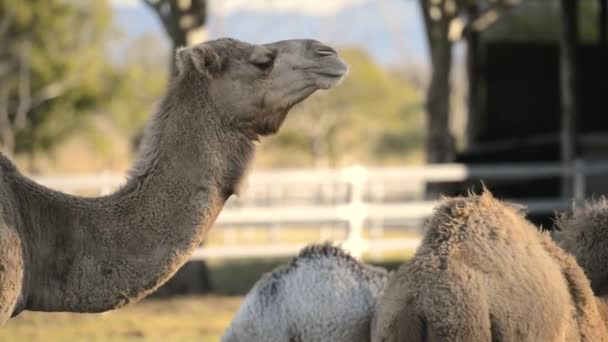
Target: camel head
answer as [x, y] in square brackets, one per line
[254, 86]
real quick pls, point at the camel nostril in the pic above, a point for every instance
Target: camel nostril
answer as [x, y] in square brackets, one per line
[324, 50]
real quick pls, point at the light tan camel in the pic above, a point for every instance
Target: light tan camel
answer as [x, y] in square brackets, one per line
[67, 253]
[484, 273]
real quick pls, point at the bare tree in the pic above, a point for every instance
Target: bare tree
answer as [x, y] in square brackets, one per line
[184, 22]
[447, 21]
[41, 60]
[14, 111]
[438, 16]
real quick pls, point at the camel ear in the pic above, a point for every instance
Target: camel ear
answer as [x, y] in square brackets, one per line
[202, 58]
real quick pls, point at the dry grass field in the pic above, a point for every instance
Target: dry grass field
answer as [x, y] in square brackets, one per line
[201, 319]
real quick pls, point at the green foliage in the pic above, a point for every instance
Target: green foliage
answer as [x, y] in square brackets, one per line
[373, 116]
[60, 48]
[138, 84]
[56, 48]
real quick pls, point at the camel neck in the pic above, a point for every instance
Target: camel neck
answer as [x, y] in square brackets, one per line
[97, 254]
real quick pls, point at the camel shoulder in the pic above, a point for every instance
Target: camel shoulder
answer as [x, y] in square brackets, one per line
[475, 220]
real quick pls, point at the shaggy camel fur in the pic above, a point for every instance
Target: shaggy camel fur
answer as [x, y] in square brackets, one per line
[583, 232]
[322, 295]
[484, 273]
[67, 253]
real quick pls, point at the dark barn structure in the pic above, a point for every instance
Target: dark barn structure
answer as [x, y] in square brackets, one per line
[519, 109]
[516, 102]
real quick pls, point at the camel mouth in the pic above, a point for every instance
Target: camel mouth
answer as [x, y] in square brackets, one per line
[330, 76]
[332, 67]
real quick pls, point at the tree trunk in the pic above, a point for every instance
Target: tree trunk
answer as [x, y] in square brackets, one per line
[439, 143]
[569, 89]
[184, 22]
[603, 22]
[474, 116]
[439, 140]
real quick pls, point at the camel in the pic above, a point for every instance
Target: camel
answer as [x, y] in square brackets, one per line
[67, 253]
[484, 273]
[323, 294]
[582, 232]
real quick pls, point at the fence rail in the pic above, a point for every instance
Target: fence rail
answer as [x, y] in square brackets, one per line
[355, 210]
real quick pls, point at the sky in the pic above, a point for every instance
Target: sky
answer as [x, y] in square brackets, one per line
[225, 7]
[312, 7]
[391, 31]
[125, 3]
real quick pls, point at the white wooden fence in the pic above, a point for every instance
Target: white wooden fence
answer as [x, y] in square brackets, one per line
[364, 199]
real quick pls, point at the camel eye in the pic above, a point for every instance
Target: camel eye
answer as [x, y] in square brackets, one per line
[264, 62]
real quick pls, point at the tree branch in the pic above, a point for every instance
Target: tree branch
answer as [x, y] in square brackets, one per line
[4, 25]
[425, 9]
[5, 68]
[51, 91]
[47, 93]
[489, 16]
[154, 4]
[24, 88]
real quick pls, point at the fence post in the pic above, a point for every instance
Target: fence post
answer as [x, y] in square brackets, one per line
[105, 189]
[579, 181]
[356, 211]
[376, 224]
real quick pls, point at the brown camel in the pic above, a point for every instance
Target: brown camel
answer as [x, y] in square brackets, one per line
[484, 273]
[583, 232]
[67, 253]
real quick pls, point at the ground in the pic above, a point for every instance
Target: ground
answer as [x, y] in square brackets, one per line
[201, 319]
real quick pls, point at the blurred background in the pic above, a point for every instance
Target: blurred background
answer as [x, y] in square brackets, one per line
[442, 95]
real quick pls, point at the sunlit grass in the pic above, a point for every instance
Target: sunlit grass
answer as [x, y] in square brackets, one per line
[201, 319]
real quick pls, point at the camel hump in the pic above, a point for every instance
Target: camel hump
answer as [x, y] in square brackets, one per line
[327, 254]
[324, 250]
[321, 257]
[475, 218]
